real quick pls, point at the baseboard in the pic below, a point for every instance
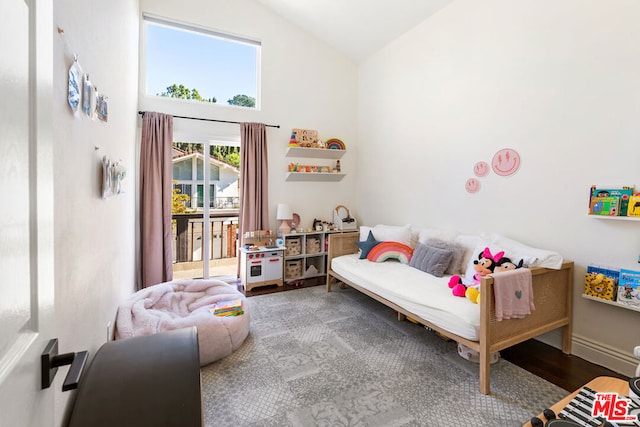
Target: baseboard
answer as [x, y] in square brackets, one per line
[592, 351]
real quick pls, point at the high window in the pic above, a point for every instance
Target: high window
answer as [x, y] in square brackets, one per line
[200, 65]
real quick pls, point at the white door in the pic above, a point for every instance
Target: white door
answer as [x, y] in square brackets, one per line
[26, 210]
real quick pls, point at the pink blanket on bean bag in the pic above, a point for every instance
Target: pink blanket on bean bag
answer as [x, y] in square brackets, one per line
[185, 303]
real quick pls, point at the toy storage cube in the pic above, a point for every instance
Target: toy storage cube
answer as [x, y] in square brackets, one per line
[312, 245]
[294, 246]
[293, 269]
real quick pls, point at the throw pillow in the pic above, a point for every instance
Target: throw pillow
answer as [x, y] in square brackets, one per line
[455, 266]
[367, 245]
[391, 250]
[431, 260]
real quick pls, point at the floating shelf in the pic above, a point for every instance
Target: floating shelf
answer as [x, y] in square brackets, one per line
[316, 153]
[315, 176]
[616, 218]
[606, 301]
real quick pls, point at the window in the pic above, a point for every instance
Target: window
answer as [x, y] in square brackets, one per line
[200, 65]
[212, 196]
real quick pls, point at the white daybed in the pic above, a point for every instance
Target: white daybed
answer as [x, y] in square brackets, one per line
[428, 299]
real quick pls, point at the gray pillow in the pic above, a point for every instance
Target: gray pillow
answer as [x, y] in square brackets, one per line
[431, 260]
[455, 267]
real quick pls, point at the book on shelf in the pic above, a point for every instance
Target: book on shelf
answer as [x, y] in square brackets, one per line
[601, 282]
[611, 201]
[634, 205]
[608, 206]
[629, 287]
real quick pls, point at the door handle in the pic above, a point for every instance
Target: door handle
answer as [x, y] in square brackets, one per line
[50, 360]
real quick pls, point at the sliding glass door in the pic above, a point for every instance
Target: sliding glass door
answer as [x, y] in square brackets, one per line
[204, 222]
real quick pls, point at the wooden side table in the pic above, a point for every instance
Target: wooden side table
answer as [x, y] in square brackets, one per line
[601, 384]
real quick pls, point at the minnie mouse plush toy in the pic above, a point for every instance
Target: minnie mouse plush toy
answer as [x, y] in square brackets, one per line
[484, 265]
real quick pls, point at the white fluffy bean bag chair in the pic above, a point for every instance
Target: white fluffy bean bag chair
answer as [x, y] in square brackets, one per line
[184, 303]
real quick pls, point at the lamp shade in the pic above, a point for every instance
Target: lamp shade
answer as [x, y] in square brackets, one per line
[284, 212]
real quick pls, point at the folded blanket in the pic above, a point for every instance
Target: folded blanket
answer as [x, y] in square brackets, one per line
[513, 293]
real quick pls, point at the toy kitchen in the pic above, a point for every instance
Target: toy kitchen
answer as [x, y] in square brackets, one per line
[260, 261]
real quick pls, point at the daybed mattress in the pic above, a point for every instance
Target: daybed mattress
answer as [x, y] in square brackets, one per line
[420, 293]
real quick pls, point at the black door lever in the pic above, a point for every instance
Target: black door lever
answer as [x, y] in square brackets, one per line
[51, 360]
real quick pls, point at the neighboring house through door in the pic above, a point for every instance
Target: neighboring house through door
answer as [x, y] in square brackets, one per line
[188, 176]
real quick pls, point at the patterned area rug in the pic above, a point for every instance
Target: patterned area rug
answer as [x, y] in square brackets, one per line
[314, 358]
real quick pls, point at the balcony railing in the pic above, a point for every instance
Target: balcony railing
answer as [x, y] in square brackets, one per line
[188, 230]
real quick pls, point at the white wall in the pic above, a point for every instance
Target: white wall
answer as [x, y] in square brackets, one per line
[557, 83]
[305, 84]
[94, 238]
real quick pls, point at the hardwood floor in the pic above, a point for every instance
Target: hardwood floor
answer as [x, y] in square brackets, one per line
[566, 371]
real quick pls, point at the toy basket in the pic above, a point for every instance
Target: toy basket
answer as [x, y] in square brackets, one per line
[293, 269]
[294, 246]
[473, 356]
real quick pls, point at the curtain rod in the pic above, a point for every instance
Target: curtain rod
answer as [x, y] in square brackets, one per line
[209, 120]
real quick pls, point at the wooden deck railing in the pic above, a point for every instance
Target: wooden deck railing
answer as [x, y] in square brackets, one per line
[188, 229]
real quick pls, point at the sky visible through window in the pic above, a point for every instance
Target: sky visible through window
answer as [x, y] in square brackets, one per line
[215, 67]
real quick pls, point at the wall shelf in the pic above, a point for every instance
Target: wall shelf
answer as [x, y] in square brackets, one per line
[315, 176]
[628, 307]
[316, 153]
[616, 218]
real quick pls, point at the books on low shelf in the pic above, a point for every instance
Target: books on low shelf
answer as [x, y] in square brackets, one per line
[601, 282]
[629, 287]
[227, 308]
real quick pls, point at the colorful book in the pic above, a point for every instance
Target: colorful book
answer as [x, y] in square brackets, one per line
[622, 194]
[608, 206]
[227, 306]
[629, 287]
[232, 313]
[601, 282]
[634, 206]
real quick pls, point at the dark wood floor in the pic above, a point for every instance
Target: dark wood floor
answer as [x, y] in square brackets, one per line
[545, 361]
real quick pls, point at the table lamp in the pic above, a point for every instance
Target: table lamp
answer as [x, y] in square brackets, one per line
[285, 215]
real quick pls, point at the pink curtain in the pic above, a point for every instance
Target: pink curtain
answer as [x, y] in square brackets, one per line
[254, 190]
[155, 198]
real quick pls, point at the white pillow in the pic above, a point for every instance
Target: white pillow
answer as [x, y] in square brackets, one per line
[533, 257]
[389, 233]
[469, 241]
[425, 234]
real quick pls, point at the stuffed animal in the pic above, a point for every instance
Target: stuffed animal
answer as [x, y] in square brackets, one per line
[484, 265]
[503, 264]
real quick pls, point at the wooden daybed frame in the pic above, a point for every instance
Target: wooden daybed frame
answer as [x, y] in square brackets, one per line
[552, 291]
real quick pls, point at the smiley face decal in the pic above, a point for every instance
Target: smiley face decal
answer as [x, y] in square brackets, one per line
[505, 162]
[481, 169]
[472, 185]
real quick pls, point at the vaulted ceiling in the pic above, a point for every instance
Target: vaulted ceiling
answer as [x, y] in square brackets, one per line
[356, 28]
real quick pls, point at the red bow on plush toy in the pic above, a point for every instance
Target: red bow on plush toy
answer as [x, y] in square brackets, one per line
[487, 254]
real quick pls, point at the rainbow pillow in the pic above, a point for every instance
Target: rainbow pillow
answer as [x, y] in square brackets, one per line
[390, 250]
